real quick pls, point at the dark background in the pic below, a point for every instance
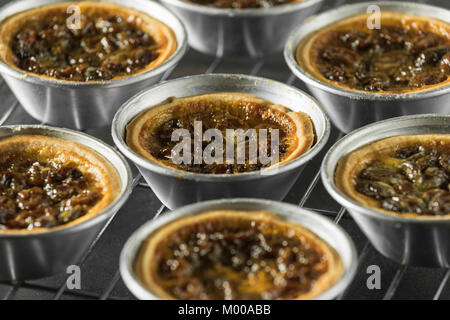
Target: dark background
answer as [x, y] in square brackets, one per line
[100, 274]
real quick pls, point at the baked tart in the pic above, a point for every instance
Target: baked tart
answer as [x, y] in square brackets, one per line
[229, 254]
[242, 4]
[109, 41]
[48, 183]
[408, 53]
[150, 133]
[408, 175]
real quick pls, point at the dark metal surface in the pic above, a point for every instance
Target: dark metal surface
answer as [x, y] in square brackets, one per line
[100, 266]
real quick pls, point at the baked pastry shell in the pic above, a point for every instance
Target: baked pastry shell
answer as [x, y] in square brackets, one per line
[352, 109]
[321, 226]
[176, 188]
[31, 255]
[241, 33]
[415, 240]
[83, 105]
[350, 167]
[303, 135]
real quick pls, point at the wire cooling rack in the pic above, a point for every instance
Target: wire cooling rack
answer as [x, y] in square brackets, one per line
[100, 278]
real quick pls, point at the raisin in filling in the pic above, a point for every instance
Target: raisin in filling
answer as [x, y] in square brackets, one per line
[242, 4]
[43, 194]
[246, 260]
[415, 179]
[386, 59]
[104, 47]
[243, 116]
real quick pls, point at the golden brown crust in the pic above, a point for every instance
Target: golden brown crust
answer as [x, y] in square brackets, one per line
[162, 34]
[306, 56]
[351, 165]
[150, 119]
[67, 151]
[147, 259]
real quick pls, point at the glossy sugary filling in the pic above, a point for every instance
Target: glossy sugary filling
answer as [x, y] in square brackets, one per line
[242, 4]
[240, 259]
[222, 116]
[392, 58]
[38, 193]
[107, 45]
[413, 179]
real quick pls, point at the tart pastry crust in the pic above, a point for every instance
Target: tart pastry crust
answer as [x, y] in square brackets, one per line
[150, 252]
[64, 151]
[307, 53]
[351, 165]
[162, 34]
[298, 124]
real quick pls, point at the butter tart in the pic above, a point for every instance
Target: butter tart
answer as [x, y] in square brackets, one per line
[405, 175]
[149, 134]
[109, 41]
[228, 254]
[242, 4]
[409, 53]
[47, 183]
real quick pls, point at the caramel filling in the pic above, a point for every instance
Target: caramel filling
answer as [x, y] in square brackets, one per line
[242, 115]
[412, 179]
[47, 182]
[240, 258]
[99, 42]
[406, 53]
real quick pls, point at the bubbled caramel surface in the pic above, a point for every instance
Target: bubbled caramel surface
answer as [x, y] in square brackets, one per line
[239, 259]
[412, 179]
[221, 116]
[42, 193]
[395, 58]
[107, 45]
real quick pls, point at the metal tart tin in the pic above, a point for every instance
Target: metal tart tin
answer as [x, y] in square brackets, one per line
[83, 105]
[240, 32]
[40, 254]
[176, 188]
[334, 235]
[417, 241]
[349, 109]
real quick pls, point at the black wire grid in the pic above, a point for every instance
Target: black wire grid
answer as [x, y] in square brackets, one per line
[100, 277]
